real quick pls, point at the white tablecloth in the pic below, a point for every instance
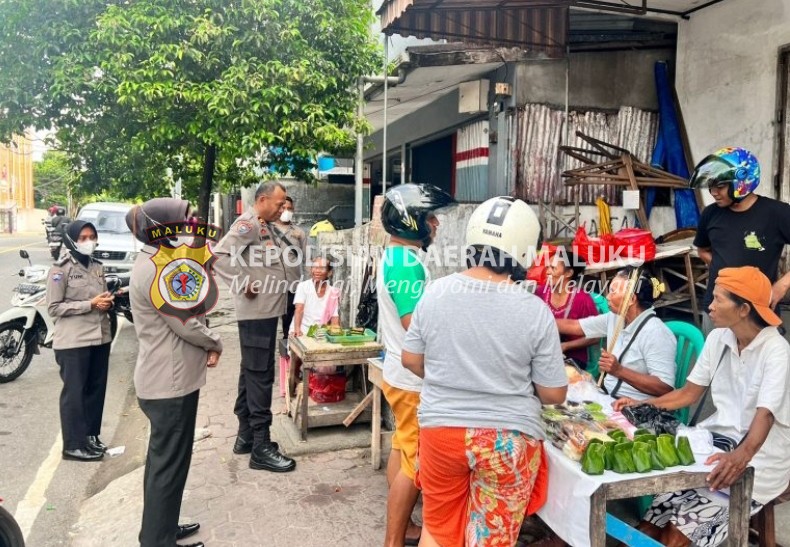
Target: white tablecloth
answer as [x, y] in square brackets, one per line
[567, 509]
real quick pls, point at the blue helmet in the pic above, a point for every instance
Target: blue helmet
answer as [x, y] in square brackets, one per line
[734, 166]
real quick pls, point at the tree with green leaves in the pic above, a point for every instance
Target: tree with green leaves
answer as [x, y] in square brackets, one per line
[207, 88]
[52, 180]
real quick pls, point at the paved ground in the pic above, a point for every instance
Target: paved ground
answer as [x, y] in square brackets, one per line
[333, 498]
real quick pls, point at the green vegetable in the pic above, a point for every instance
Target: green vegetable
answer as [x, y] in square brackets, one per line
[593, 459]
[666, 450]
[642, 431]
[655, 461]
[685, 455]
[599, 416]
[641, 455]
[593, 407]
[623, 460]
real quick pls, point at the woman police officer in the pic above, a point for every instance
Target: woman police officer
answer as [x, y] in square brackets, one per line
[78, 301]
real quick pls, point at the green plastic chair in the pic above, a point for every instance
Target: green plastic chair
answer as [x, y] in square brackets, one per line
[690, 341]
[594, 352]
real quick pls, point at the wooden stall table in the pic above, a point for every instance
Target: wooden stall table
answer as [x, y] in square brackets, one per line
[313, 354]
[376, 378]
[583, 497]
[684, 296]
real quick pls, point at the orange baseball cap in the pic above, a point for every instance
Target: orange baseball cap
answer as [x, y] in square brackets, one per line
[751, 284]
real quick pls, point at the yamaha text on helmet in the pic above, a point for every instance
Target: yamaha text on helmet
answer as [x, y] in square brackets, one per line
[508, 225]
[734, 168]
[407, 208]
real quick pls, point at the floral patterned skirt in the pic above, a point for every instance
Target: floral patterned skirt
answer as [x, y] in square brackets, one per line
[476, 483]
[703, 516]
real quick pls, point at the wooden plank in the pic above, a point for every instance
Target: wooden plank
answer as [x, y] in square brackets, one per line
[740, 507]
[329, 414]
[363, 404]
[375, 430]
[692, 288]
[643, 486]
[598, 518]
[375, 374]
[628, 535]
[346, 359]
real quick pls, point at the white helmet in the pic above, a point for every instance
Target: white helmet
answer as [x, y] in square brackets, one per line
[508, 225]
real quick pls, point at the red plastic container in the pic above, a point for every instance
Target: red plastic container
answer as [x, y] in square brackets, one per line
[327, 388]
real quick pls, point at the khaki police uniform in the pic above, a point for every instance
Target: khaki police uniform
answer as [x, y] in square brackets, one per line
[249, 256]
[170, 370]
[293, 241]
[82, 346]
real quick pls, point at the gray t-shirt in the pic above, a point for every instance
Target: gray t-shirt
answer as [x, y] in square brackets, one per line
[484, 345]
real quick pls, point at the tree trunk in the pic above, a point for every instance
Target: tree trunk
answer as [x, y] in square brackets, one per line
[204, 197]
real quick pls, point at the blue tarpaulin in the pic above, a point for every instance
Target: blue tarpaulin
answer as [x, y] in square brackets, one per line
[668, 153]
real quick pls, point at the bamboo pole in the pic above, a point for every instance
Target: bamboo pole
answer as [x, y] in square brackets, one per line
[629, 292]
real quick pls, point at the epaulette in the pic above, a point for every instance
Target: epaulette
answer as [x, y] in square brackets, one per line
[62, 260]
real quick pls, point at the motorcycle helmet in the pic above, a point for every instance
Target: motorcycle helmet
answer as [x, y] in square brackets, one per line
[508, 225]
[407, 207]
[734, 166]
[61, 211]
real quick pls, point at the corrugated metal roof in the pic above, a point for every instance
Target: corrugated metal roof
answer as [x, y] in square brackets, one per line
[528, 24]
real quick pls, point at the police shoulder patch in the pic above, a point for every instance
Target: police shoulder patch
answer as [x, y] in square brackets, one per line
[242, 227]
[56, 276]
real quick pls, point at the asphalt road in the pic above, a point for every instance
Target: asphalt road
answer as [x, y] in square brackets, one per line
[41, 490]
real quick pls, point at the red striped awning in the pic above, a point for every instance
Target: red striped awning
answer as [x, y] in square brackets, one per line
[535, 25]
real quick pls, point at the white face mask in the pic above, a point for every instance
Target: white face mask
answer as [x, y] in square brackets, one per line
[86, 247]
[286, 216]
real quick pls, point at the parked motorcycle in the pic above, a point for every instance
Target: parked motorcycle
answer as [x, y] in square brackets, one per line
[27, 325]
[54, 238]
[10, 534]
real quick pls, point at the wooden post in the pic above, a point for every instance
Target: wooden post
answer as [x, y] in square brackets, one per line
[740, 506]
[598, 518]
[692, 289]
[641, 213]
[375, 442]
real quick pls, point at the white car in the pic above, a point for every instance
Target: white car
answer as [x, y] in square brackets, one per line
[117, 247]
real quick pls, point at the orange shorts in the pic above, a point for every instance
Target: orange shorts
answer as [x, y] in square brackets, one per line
[404, 405]
[477, 484]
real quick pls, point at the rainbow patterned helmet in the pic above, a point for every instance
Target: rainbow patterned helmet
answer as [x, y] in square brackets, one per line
[734, 166]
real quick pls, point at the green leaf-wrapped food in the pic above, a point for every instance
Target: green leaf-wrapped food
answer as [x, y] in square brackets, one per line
[623, 460]
[666, 450]
[644, 437]
[642, 431]
[655, 461]
[608, 456]
[618, 435]
[641, 456]
[685, 455]
[593, 459]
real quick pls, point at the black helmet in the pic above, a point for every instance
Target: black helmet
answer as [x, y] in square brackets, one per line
[61, 212]
[407, 207]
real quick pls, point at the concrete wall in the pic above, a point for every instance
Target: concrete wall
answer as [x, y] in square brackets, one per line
[605, 80]
[727, 78]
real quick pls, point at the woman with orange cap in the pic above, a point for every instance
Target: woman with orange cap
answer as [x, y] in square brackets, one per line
[746, 365]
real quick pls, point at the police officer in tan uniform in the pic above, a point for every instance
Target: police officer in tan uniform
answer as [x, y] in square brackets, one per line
[171, 368]
[250, 262]
[294, 243]
[78, 301]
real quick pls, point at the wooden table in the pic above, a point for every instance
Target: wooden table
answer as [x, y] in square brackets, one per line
[684, 296]
[571, 492]
[313, 354]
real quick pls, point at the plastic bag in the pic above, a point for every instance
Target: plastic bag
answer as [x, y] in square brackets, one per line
[636, 243]
[327, 388]
[650, 417]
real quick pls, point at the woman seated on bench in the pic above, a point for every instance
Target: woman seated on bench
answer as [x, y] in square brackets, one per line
[746, 364]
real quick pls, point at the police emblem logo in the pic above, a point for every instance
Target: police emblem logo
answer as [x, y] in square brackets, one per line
[57, 276]
[184, 286]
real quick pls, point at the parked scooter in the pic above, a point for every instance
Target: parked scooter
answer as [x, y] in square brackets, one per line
[10, 533]
[54, 238]
[27, 325]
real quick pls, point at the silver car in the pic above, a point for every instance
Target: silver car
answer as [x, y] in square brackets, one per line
[117, 247]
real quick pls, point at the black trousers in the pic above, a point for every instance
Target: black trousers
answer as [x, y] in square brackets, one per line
[253, 407]
[84, 375]
[290, 308]
[166, 466]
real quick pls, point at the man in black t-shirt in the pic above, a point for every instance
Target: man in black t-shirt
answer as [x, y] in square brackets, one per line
[740, 228]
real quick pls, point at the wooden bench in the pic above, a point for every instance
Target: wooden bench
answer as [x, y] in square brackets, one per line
[762, 524]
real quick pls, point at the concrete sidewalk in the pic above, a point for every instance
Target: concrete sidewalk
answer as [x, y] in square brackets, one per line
[333, 498]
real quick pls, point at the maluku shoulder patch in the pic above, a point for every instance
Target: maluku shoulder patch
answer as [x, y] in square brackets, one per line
[242, 227]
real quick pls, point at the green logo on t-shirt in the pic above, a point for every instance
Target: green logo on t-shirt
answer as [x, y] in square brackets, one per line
[752, 242]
